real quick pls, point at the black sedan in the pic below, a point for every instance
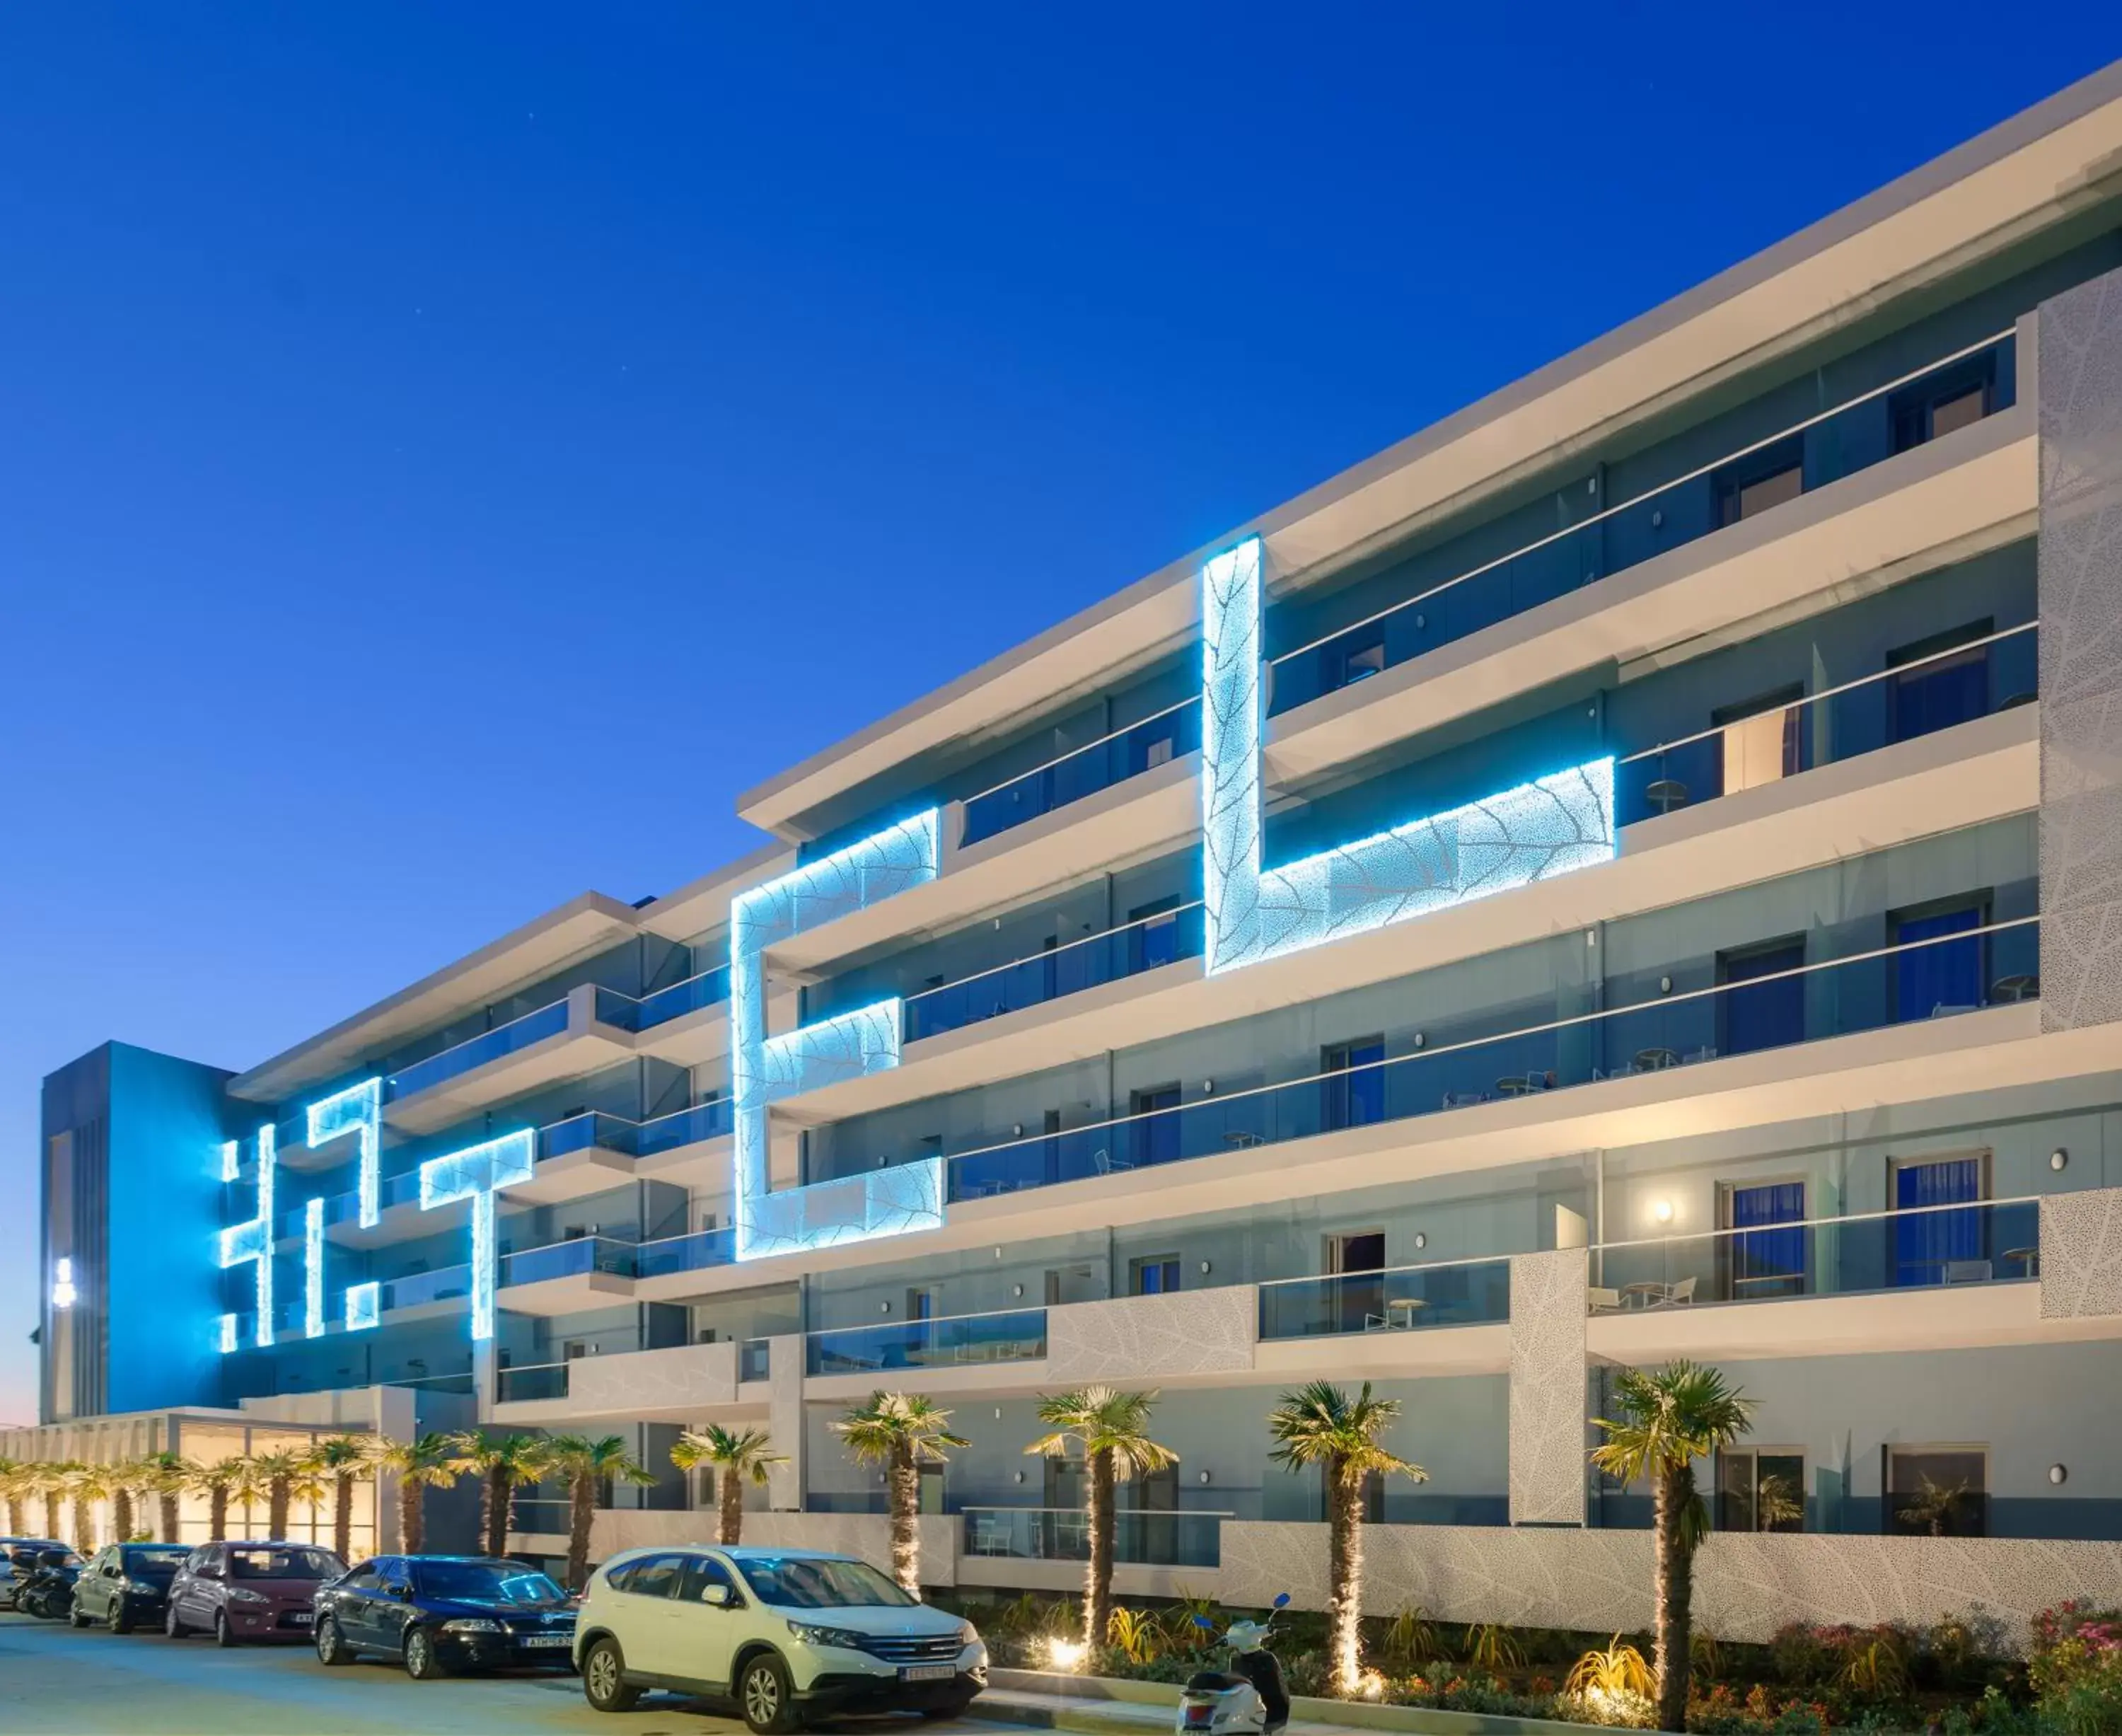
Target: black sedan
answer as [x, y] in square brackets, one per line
[126, 1582]
[437, 1614]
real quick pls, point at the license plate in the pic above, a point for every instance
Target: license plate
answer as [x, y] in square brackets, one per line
[548, 1639]
[929, 1673]
[301, 1618]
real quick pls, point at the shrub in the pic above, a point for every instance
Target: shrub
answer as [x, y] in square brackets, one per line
[1490, 1647]
[2075, 1669]
[1409, 1638]
[1135, 1633]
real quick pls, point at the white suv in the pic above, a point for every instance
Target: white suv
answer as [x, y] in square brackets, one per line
[783, 1634]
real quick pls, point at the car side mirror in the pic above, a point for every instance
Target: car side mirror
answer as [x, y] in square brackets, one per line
[398, 1588]
[716, 1596]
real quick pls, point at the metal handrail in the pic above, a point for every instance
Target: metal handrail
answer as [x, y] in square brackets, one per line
[1871, 1217]
[1388, 1271]
[1194, 699]
[1033, 958]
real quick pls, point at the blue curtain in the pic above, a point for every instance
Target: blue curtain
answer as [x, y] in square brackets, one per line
[1924, 1242]
[1768, 1261]
[1947, 974]
[1770, 1016]
[1353, 1098]
[1940, 694]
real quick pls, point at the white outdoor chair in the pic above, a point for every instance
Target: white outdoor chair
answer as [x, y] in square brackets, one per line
[1968, 1271]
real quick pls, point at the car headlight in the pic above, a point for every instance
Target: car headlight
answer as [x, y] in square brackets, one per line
[969, 1634]
[473, 1624]
[845, 1638]
[244, 1595]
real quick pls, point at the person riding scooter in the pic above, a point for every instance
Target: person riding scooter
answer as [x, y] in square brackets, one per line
[1248, 1700]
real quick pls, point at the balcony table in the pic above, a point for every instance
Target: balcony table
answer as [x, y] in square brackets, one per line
[2008, 990]
[1668, 792]
[2028, 1260]
[1644, 1292]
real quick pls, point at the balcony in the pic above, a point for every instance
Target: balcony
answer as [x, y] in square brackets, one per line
[565, 1037]
[1985, 675]
[1397, 1300]
[956, 1341]
[1156, 740]
[1063, 1534]
[1670, 1025]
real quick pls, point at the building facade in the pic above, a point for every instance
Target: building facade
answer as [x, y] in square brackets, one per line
[1633, 871]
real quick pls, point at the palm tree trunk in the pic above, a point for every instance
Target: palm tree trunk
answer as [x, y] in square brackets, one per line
[905, 1479]
[51, 1513]
[276, 1508]
[84, 1526]
[582, 1513]
[167, 1500]
[121, 1514]
[500, 1490]
[412, 1514]
[1345, 1576]
[732, 1506]
[342, 1514]
[216, 1514]
[15, 1516]
[1674, 1592]
[1098, 1575]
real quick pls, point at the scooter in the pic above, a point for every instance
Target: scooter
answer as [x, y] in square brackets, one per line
[1248, 1700]
[48, 1592]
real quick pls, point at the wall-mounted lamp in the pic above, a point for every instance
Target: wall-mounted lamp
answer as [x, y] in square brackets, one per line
[2057, 1474]
[997, 1253]
[1419, 1039]
[64, 1295]
[1665, 986]
[2058, 1157]
[1203, 1478]
[1017, 1476]
[1661, 1209]
[1207, 1088]
[997, 1411]
[1015, 1290]
[1421, 1240]
[884, 1308]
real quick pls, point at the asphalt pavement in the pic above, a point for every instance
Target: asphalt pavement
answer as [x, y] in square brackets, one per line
[68, 1682]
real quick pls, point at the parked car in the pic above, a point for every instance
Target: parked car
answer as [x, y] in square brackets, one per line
[783, 1636]
[17, 1555]
[249, 1591]
[438, 1614]
[47, 1579]
[126, 1584]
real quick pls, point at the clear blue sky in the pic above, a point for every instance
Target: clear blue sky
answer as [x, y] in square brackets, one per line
[446, 453]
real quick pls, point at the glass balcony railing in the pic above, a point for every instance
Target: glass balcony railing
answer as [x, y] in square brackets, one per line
[1063, 1534]
[1992, 672]
[1962, 387]
[1748, 1001]
[489, 1045]
[713, 1120]
[1403, 1300]
[1126, 951]
[546, 1380]
[644, 1012]
[702, 1248]
[755, 1360]
[415, 1289]
[571, 1259]
[1110, 759]
[1917, 1247]
[1016, 1335]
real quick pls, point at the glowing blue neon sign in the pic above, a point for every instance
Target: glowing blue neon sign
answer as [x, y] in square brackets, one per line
[473, 1173]
[313, 1270]
[364, 1304]
[358, 1108]
[254, 1240]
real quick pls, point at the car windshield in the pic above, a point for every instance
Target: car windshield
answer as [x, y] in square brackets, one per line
[804, 1582]
[487, 1582]
[283, 1563]
[154, 1564]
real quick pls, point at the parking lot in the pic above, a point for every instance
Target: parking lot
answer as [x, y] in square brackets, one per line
[86, 1682]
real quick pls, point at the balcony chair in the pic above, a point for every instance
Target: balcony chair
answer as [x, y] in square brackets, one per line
[1605, 1301]
[1968, 1271]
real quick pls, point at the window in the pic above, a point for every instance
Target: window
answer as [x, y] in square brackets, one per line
[1761, 480]
[1937, 685]
[366, 1577]
[1766, 1254]
[1937, 1492]
[920, 1304]
[1157, 1275]
[1932, 1244]
[1353, 1094]
[1760, 1489]
[1355, 1258]
[1770, 1014]
[657, 1576]
[1155, 1134]
[1761, 739]
[1933, 408]
[1152, 935]
[1936, 976]
[1358, 656]
[700, 1572]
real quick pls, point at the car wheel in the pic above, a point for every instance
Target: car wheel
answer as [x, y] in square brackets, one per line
[173, 1625]
[764, 1695]
[423, 1658]
[223, 1634]
[937, 1714]
[332, 1648]
[604, 1679]
[118, 1622]
[76, 1616]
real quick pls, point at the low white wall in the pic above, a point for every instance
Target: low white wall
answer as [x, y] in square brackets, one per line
[867, 1536]
[1746, 1585]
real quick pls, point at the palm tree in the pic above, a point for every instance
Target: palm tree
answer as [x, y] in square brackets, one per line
[428, 1462]
[1110, 1429]
[901, 1431]
[343, 1458]
[84, 1485]
[1932, 1506]
[14, 1488]
[501, 1466]
[216, 1482]
[1321, 1424]
[1670, 1417]
[735, 1455]
[589, 1465]
[48, 1480]
[289, 1477]
[121, 1479]
[250, 1481]
[168, 1476]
